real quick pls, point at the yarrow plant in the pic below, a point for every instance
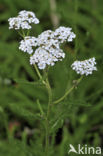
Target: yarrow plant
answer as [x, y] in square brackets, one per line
[45, 50]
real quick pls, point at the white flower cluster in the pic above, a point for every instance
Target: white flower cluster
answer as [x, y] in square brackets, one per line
[49, 50]
[47, 39]
[23, 20]
[43, 57]
[64, 34]
[27, 44]
[85, 67]
[48, 46]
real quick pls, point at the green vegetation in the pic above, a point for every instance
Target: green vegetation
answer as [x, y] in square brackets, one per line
[76, 120]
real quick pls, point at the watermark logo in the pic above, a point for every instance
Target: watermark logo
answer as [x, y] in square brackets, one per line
[84, 149]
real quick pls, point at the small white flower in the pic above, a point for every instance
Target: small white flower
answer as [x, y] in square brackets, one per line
[23, 20]
[85, 67]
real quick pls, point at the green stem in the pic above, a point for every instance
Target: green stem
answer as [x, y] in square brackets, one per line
[20, 34]
[47, 119]
[68, 91]
[39, 75]
[64, 96]
[50, 96]
[47, 84]
[23, 33]
[40, 108]
[28, 32]
[47, 138]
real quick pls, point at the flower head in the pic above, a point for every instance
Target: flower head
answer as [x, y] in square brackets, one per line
[49, 50]
[85, 67]
[44, 57]
[64, 34]
[47, 39]
[27, 44]
[23, 20]
[48, 43]
[28, 16]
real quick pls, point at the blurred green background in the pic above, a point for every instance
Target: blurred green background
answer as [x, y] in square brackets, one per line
[81, 114]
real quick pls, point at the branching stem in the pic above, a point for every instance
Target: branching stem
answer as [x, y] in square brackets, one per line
[68, 91]
[47, 85]
[50, 102]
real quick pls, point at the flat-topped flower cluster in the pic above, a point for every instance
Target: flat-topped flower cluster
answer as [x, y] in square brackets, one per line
[23, 20]
[46, 49]
[47, 45]
[85, 67]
